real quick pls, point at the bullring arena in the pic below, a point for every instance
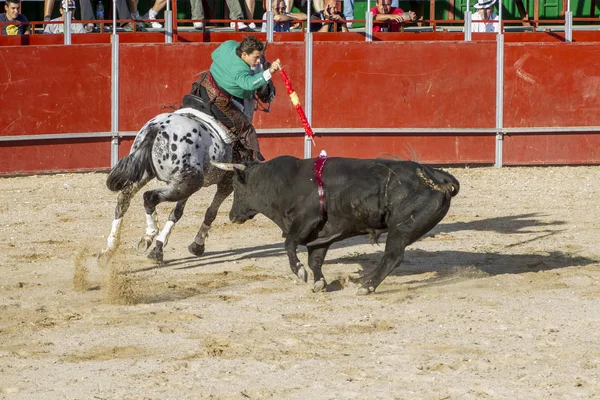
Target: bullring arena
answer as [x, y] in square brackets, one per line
[500, 300]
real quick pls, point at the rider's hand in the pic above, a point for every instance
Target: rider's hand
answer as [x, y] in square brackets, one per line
[275, 66]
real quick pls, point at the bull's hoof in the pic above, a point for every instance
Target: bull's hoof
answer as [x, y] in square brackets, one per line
[320, 286]
[196, 249]
[302, 274]
[363, 291]
[157, 253]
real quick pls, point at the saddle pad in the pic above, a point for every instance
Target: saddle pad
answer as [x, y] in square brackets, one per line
[224, 134]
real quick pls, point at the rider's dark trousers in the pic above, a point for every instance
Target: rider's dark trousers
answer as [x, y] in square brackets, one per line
[224, 110]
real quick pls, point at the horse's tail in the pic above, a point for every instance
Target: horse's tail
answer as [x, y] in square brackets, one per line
[131, 168]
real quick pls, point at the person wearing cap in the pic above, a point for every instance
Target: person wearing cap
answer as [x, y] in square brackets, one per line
[488, 20]
[59, 28]
[390, 17]
[12, 13]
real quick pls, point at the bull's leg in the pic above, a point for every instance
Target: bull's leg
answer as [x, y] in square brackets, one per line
[224, 189]
[316, 257]
[392, 257]
[298, 232]
[163, 237]
[123, 201]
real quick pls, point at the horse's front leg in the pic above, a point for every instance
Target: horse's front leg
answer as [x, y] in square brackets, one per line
[224, 189]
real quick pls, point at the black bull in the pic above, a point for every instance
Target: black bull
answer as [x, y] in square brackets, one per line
[404, 198]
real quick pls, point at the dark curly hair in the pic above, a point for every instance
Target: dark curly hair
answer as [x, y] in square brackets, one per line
[249, 45]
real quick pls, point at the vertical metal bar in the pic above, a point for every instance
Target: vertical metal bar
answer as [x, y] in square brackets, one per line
[270, 23]
[114, 112]
[67, 26]
[499, 98]
[468, 23]
[308, 88]
[369, 26]
[114, 17]
[500, 17]
[168, 25]
[568, 23]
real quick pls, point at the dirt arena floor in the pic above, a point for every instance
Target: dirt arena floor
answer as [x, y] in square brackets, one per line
[500, 301]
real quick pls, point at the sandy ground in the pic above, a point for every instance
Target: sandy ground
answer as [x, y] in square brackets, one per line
[500, 301]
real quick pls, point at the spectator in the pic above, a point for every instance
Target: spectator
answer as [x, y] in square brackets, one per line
[230, 79]
[12, 8]
[393, 16]
[235, 13]
[349, 10]
[333, 19]
[489, 21]
[59, 28]
[132, 6]
[87, 12]
[281, 18]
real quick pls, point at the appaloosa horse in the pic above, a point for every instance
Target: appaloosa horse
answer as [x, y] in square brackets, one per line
[176, 148]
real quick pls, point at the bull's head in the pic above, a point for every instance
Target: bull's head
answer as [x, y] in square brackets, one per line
[242, 208]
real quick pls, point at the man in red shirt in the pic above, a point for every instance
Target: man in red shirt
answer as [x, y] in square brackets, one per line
[393, 16]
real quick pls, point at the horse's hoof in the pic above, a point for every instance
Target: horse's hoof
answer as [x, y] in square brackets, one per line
[196, 249]
[146, 242]
[363, 291]
[302, 274]
[320, 286]
[104, 257]
[157, 253]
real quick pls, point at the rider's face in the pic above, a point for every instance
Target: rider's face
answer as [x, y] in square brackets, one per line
[252, 59]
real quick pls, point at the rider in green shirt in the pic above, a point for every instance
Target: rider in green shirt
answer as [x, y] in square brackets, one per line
[232, 77]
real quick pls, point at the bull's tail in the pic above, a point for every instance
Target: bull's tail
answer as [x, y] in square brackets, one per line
[131, 168]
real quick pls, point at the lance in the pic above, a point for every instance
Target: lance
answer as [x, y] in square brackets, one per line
[296, 103]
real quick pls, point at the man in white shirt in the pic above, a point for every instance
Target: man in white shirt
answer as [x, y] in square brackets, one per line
[489, 21]
[59, 28]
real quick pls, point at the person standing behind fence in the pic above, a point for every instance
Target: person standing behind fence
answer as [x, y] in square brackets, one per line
[235, 13]
[12, 13]
[59, 28]
[485, 13]
[333, 19]
[392, 16]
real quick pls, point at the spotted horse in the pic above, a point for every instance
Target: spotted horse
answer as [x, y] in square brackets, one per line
[176, 148]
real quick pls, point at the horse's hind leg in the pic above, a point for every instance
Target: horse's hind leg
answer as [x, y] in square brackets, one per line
[224, 189]
[163, 237]
[123, 200]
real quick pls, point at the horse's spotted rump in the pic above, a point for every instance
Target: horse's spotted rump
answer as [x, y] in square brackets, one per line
[175, 170]
[165, 135]
[196, 131]
[173, 157]
[174, 137]
[214, 157]
[173, 147]
[168, 121]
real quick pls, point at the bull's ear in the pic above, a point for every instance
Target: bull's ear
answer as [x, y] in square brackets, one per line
[241, 175]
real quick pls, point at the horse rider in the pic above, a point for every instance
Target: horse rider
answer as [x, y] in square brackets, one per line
[232, 78]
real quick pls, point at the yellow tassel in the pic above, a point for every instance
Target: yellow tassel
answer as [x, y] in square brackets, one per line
[295, 99]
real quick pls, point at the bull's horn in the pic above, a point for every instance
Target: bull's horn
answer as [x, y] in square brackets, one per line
[228, 166]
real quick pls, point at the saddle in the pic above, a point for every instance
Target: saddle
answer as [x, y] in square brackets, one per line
[195, 102]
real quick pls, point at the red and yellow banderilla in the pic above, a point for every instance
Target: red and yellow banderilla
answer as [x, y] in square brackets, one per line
[296, 103]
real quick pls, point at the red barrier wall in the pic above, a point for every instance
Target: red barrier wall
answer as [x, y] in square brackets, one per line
[384, 84]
